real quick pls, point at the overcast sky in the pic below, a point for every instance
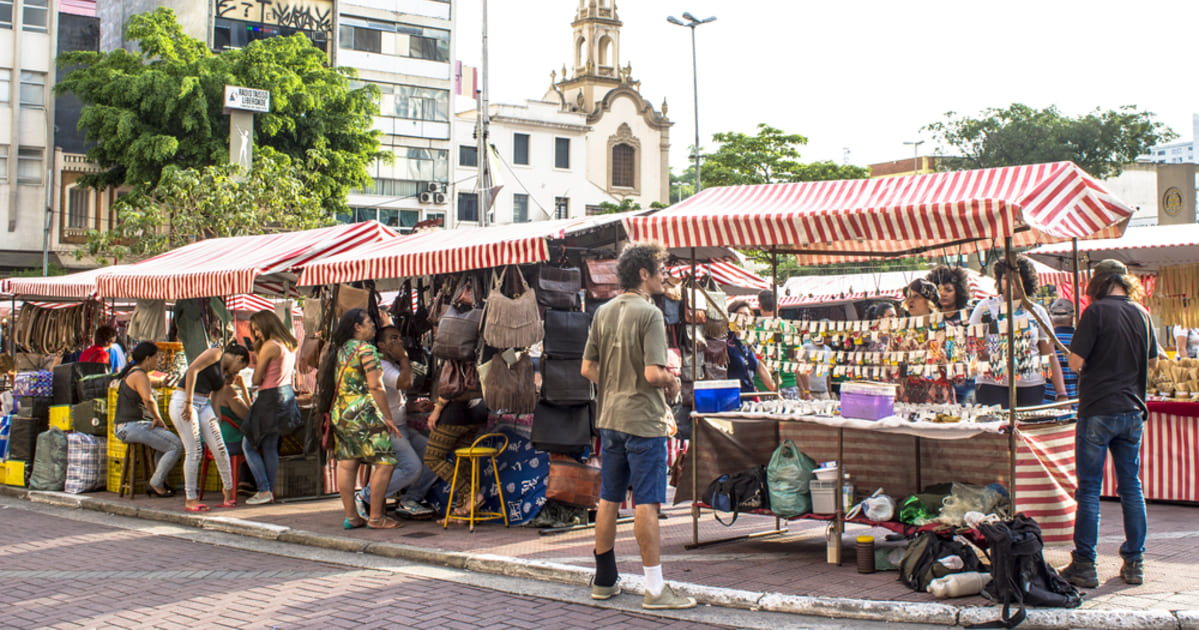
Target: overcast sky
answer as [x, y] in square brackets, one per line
[862, 75]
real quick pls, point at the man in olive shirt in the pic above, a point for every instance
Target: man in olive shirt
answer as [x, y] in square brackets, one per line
[626, 357]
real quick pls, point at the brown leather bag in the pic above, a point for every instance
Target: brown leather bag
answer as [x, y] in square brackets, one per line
[456, 379]
[603, 283]
[572, 482]
[716, 352]
[347, 298]
[511, 322]
[510, 388]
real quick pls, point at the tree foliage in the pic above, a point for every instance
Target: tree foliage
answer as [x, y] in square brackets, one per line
[1100, 142]
[157, 114]
[769, 157]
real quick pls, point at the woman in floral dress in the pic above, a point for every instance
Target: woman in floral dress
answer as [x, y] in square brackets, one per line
[360, 416]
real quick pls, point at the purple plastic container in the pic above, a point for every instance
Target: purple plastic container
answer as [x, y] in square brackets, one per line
[867, 401]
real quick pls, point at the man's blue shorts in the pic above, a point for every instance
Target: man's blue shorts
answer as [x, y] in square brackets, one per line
[630, 460]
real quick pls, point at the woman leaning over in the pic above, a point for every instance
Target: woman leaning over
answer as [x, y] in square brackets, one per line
[275, 408]
[135, 402]
[194, 418]
[360, 416]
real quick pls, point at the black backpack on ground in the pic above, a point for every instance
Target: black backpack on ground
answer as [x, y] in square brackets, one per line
[1019, 573]
[920, 560]
[744, 491]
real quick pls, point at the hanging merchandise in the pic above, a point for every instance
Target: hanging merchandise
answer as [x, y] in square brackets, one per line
[511, 322]
[509, 386]
[562, 382]
[1175, 296]
[56, 330]
[603, 283]
[347, 298]
[566, 333]
[672, 302]
[457, 334]
[716, 321]
[562, 428]
[457, 378]
[558, 287]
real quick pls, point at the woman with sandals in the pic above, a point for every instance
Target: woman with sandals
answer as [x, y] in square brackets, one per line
[275, 407]
[135, 403]
[360, 416]
[193, 416]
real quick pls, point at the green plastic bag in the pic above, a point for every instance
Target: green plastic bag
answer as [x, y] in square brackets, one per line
[914, 512]
[50, 461]
[788, 476]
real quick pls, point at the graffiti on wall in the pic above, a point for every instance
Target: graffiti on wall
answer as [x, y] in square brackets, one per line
[314, 16]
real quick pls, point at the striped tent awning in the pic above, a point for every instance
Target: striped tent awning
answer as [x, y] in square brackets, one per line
[810, 290]
[1141, 248]
[265, 263]
[75, 286]
[847, 220]
[724, 272]
[249, 302]
[450, 251]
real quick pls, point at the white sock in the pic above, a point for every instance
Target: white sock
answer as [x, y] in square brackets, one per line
[653, 580]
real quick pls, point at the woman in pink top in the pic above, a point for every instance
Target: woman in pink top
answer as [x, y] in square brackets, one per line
[275, 409]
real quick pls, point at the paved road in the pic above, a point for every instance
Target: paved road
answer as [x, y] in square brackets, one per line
[58, 572]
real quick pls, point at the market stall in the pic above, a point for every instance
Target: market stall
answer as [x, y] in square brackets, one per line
[1164, 256]
[842, 221]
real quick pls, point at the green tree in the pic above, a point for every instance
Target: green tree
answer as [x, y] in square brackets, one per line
[625, 205]
[52, 269]
[1100, 142]
[770, 157]
[159, 110]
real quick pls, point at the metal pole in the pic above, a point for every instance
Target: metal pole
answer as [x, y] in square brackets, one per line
[1012, 277]
[695, 97]
[484, 180]
[693, 448]
[1074, 242]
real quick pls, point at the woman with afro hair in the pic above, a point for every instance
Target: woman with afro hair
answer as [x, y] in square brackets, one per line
[953, 287]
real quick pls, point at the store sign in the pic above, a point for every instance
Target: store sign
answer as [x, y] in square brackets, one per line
[247, 99]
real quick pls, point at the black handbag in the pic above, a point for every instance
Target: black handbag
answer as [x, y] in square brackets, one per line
[558, 287]
[562, 428]
[34, 407]
[457, 334]
[22, 438]
[566, 333]
[95, 386]
[562, 383]
[66, 380]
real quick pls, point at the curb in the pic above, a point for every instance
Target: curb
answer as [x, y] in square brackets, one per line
[931, 613]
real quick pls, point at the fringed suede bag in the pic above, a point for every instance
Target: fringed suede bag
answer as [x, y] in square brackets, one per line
[512, 322]
[510, 387]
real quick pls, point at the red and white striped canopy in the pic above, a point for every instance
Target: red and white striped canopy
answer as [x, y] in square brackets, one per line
[75, 286]
[449, 251]
[249, 302]
[1141, 248]
[845, 220]
[724, 272]
[265, 263]
[808, 290]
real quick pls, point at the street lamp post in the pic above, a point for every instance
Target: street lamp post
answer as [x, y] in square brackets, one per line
[915, 155]
[691, 23]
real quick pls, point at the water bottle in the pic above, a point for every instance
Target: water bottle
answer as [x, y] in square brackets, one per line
[958, 585]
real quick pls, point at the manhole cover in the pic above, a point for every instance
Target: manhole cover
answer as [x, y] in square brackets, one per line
[418, 535]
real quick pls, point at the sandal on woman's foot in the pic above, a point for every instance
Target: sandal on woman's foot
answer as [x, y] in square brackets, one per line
[199, 507]
[353, 523]
[384, 523]
[231, 503]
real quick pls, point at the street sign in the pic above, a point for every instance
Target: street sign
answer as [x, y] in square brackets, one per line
[247, 99]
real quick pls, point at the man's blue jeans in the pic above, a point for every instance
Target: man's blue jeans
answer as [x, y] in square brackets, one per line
[410, 471]
[1094, 437]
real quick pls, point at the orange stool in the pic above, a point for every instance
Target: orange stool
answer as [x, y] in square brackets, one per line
[474, 453]
[235, 461]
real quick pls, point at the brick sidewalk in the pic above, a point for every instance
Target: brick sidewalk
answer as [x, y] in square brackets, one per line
[792, 564]
[60, 573]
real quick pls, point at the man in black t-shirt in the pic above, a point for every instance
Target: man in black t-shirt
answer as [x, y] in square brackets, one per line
[1112, 350]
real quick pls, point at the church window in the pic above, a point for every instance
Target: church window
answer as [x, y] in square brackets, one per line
[623, 165]
[605, 51]
[562, 153]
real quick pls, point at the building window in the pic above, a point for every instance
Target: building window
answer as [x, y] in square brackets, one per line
[78, 208]
[6, 14]
[5, 86]
[623, 160]
[33, 89]
[415, 103]
[561, 207]
[3, 163]
[29, 166]
[520, 208]
[426, 43]
[423, 165]
[228, 34]
[468, 207]
[520, 148]
[34, 15]
[468, 155]
[402, 40]
[561, 152]
[593, 210]
[363, 39]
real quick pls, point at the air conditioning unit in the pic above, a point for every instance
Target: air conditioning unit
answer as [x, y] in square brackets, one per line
[433, 187]
[438, 197]
[426, 197]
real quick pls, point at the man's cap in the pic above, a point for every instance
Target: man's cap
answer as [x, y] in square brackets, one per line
[1110, 266]
[1061, 306]
[925, 289]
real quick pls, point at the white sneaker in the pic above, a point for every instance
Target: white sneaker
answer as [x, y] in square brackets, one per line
[261, 497]
[413, 509]
[666, 600]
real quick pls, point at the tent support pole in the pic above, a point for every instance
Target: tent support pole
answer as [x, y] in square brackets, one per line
[693, 448]
[1074, 242]
[1011, 276]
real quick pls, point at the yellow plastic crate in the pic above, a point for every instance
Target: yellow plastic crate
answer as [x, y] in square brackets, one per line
[60, 416]
[113, 479]
[14, 473]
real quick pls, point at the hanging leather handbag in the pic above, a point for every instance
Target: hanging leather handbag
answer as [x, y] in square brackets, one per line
[573, 482]
[511, 322]
[347, 298]
[511, 388]
[562, 383]
[695, 306]
[457, 334]
[603, 283]
[558, 287]
[457, 378]
[716, 322]
[716, 352]
[562, 428]
[566, 333]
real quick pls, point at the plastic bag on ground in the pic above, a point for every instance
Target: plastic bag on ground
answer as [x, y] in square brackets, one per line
[788, 477]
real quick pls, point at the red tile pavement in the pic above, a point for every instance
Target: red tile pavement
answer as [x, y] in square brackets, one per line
[793, 563]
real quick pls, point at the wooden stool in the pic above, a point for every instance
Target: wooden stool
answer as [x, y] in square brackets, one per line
[138, 459]
[474, 453]
[235, 461]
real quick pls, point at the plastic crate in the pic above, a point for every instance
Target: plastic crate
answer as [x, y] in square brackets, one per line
[14, 473]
